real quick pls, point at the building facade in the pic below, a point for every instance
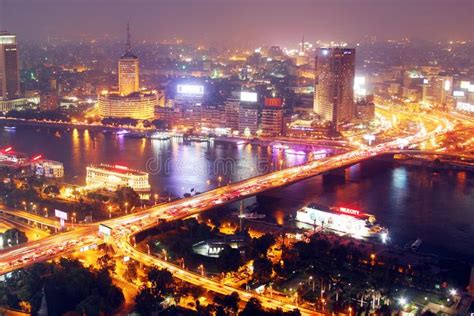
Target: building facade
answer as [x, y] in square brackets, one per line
[248, 120]
[138, 105]
[114, 177]
[334, 89]
[9, 73]
[128, 70]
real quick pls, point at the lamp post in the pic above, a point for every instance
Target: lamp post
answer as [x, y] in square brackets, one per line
[126, 207]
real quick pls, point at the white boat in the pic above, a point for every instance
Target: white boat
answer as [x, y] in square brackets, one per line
[160, 136]
[341, 219]
[416, 245]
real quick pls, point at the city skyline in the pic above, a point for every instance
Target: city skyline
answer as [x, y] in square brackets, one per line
[248, 22]
[163, 174]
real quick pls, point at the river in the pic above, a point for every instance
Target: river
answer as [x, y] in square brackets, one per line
[412, 202]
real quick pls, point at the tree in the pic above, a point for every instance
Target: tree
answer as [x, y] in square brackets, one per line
[146, 302]
[106, 263]
[262, 268]
[68, 286]
[229, 259]
[128, 195]
[51, 190]
[161, 281]
[260, 245]
[252, 308]
[131, 272]
[231, 302]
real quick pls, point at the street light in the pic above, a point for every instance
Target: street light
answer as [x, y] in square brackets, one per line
[110, 211]
[201, 268]
[453, 292]
[402, 301]
[126, 207]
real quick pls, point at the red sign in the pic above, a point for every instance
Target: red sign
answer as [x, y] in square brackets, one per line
[274, 102]
[349, 211]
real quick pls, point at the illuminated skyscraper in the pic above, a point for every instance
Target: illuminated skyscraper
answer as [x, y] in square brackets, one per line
[334, 90]
[129, 101]
[128, 68]
[9, 74]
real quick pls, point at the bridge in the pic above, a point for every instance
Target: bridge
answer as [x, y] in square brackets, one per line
[125, 227]
[28, 218]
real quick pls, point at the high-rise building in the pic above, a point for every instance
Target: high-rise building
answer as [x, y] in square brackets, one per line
[334, 89]
[129, 101]
[128, 70]
[232, 108]
[9, 74]
[248, 120]
[272, 117]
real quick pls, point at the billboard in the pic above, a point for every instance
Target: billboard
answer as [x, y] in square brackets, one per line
[246, 96]
[458, 93]
[60, 214]
[190, 89]
[104, 229]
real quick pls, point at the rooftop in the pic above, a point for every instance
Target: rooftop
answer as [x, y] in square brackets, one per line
[118, 169]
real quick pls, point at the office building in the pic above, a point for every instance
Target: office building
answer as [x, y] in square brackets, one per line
[9, 73]
[129, 101]
[248, 120]
[213, 117]
[128, 70]
[272, 117]
[334, 89]
[232, 107]
[48, 168]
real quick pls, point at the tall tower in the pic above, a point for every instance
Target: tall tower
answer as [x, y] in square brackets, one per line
[128, 69]
[9, 74]
[334, 89]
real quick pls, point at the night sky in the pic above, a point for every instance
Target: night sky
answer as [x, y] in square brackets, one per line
[241, 21]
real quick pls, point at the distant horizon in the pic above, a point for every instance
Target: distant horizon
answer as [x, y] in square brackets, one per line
[240, 22]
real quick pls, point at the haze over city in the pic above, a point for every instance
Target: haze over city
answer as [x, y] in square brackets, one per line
[237, 22]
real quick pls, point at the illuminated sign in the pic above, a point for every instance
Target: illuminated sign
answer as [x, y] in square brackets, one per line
[274, 102]
[248, 96]
[458, 93]
[447, 85]
[349, 211]
[190, 89]
[60, 214]
[465, 84]
[37, 157]
[104, 229]
[7, 149]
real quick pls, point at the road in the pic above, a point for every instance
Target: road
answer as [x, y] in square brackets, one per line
[123, 228]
